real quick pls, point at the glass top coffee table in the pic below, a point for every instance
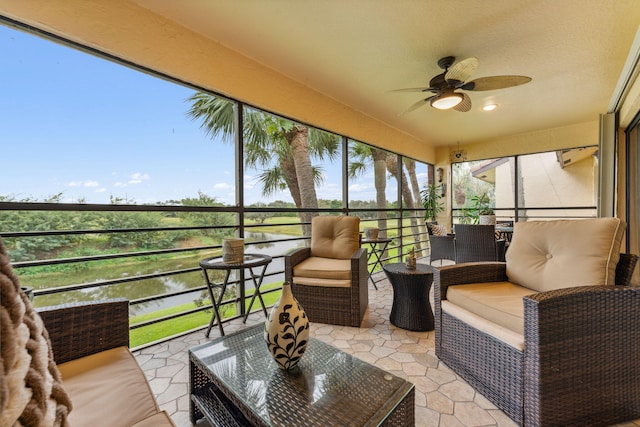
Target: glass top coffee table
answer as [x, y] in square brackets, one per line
[234, 381]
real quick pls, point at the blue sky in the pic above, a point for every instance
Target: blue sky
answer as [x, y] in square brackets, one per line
[74, 123]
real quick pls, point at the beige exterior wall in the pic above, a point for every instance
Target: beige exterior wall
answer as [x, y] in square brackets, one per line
[579, 135]
[545, 183]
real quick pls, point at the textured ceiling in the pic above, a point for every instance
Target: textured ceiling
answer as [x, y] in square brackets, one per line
[357, 51]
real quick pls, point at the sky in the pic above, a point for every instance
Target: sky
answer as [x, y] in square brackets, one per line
[88, 128]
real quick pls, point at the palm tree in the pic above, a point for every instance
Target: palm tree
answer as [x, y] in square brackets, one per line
[410, 165]
[407, 196]
[282, 148]
[361, 155]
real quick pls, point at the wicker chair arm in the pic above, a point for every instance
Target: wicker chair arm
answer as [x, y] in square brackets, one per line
[501, 249]
[625, 267]
[588, 302]
[80, 329]
[292, 259]
[471, 272]
[580, 347]
[361, 253]
[359, 267]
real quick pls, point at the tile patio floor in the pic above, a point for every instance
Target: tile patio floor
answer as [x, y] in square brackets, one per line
[442, 398]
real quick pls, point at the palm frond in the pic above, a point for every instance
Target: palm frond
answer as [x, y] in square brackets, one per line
[217, 115]
[272, 181]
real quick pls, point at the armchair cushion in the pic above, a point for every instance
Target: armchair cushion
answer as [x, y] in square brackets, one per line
[335, 237]
[437, 229]
[541, 252]
[323, 268]
[498, 302]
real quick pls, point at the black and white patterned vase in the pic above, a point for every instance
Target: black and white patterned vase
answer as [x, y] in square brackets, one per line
[286, 331]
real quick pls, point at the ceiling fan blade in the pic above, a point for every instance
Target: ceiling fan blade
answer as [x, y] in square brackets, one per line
[416, 106]
[462, 70]
[465, 105]
[495, 82]
[413, 89]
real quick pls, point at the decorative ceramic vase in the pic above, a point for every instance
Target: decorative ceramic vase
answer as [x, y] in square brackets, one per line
[286, 331]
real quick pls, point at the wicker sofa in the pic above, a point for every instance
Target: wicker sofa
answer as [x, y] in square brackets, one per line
[547, 337]
[69, 364]
[102, 377]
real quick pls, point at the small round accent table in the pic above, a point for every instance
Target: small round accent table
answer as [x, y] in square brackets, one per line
[411, 309]
[249, 262]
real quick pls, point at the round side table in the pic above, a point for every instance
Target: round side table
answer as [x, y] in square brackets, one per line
[411, 309]
[249, 262]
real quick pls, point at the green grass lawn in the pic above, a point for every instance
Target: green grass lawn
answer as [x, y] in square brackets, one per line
[167, 328]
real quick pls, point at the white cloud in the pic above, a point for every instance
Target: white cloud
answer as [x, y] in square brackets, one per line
[222, 186]
[359, 187]
[87, 184]
[138, 178]
[120, 184]
[101, 190]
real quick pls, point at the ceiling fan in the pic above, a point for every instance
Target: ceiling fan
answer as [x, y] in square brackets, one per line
[455, 76]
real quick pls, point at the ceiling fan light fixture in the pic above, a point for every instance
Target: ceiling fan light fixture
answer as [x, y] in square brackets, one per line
[446, 100]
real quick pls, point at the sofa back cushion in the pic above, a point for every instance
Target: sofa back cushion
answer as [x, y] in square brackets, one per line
[335, 236]
[547, 255]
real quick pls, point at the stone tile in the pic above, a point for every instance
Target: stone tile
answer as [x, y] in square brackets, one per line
[367, 357]
[169, 371]
[440, 403]
[426, 417]
[388, 364]
[423, 383]
[470, 414]
[154, 363]
[159, 385]
[402, 357]
[458, 391]
[439, 376]
[173, 393]
[382, 351]
[413, 368]
[450, 421]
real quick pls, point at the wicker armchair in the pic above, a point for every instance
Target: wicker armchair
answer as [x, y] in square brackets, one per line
[474, 243]
[330, 278]
[577, 362]
[442, 247]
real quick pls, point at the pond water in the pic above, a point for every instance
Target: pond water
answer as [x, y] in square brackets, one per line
[168, 284]
[190, 280]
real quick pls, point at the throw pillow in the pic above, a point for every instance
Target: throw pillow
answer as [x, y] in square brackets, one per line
[438, 230]
[31, 392]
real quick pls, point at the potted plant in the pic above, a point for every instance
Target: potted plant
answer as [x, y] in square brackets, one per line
[482, 209]
[431, 200]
